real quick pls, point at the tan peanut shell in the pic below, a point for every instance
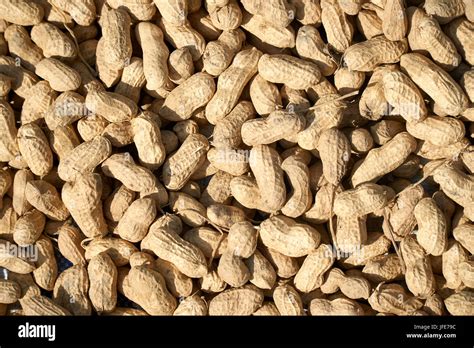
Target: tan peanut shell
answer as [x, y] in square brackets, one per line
[238, 301]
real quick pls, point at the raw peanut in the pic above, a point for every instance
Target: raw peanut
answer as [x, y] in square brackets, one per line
[147, 139]
[21, 12]
[347, 81]
[21, 47]
[167, 245]
[91, 126]
[435, 82]
[268, 32]
[83, 200]
[60, 76]
[360, 139]
[265, 164]
[189, 96]
[28, 228]
[134, 224]
[219, 54]
[452, 258]
[21, 79]
[35, 150]
[404, 96]
[107, 74]
[44, 197]
[432, 152]
[232, 269]
[119, 134]
[155, 54]
[285, 266]
[180, 65]
[262, 274]
[267, 309]
[190, 210]
[209, 241]
[460, 303]
[142, 10]
[392, 298]
[192, 305]
[385, 130]
[338, 306]
[444, 10]
[385, 159]
[67, 108]
[338, 29]
[394, 20]
[367, 55]
[369, 24]
[218, 190]
[225, 215]
[82, 11]
[85, 32]
[373, 104]
[38, 305]
[364, 199]
[70, 290]
[466, 272]
[242, 239]
[432, 227]
[8, 144]
[469, 10]
[383, 268]
[335, 152]
[238, 301]
[232, 161]
[46, 270]
[278, 12]
[69, 244]
[245, 191]
[464, 235]
[132, 81]
[52, 41]
[112, 106]
[184, 128]
[320, 211]
[460, 31]
[63, 140]
[5, 84]
[179, 167]
[265, 96]
[291, 71]
[288, 301]
[201, 22]
[147, 288]
[311, 274]
[227, 132]
[20, 203]
[5, 183]
[231, 84]
[402, 219]
[442, 131]
[228, 17]
[10, 291]
[426, 34]
[174, 11]
[288, 237]
[118, 249]
[300, 198]
[84, 158]
[103, 283]
[455, 184]
[117, 47]
[123, 168]
[307, 11]
[377, 244]
[211, 283]
[141, 259]
[184, 35]
[351, 233]
[278, 125]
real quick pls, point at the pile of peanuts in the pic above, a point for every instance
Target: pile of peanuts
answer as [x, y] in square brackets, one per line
[224, 157]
